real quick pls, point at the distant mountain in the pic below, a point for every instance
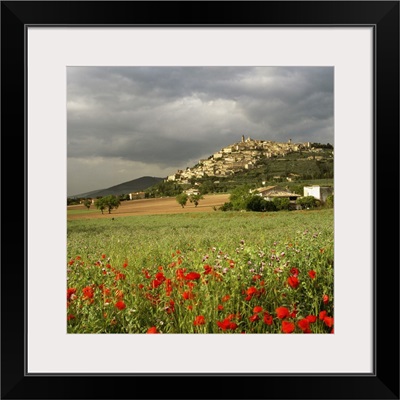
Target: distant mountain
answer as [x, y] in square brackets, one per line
[136, 185]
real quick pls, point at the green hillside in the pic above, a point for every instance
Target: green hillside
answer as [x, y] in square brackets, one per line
[136, 185]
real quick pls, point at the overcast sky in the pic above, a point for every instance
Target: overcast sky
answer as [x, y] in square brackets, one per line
[127, 122]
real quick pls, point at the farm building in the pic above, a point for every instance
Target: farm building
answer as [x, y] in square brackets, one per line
[271, 192]
[319, 192]
[192, 191]
[136, 195]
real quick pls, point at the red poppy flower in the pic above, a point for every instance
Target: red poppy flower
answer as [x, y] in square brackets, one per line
[328, 321]
[294, 271]
[304, 324]
[220, 307]
[325, 299]
[287, 327]
[225, 324]
[156, 283]
[120, 276]
[120, 305]
[322, 315]
[87, 292]
[226, 298]
[191, 276]
[70, 292]
[312, 274]
[171, 308]
[187, 295]
[233, 326]
[257, 309]
[153, 329]
[103, 256]
[282, 312]
[251, 290]
[199, 320]
[71, 316]
[254, 318]
[268, 319]
[311, 318]
[293, 281]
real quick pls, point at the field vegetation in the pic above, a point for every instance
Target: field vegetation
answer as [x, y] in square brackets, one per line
[201, 272]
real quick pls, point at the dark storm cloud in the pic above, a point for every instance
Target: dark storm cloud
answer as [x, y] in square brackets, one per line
[169, 116]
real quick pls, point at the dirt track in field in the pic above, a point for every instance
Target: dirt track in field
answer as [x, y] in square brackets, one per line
[149, 207]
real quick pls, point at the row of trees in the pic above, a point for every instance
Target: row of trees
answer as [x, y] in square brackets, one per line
[107, 203]
[183, 198]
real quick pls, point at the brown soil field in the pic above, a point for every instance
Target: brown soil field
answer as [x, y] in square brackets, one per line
[167, 205]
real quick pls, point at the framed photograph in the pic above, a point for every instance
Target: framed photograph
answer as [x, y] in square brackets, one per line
[189, 95]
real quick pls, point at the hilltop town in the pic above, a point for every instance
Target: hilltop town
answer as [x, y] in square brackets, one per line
[241, 156]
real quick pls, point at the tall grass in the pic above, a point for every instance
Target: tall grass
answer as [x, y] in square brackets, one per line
[138, 270]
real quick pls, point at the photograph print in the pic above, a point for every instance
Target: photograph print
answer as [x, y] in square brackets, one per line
[200, 200]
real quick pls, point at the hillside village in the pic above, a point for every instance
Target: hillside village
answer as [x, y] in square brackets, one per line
[241, 156]
[264, 164]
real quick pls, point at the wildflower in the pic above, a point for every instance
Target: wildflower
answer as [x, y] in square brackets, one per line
[70, 292]
[287, 327]
[153, 329]
[294, 271]
[251, 291]
[325, 299]
[220, 307]
[304, 325]
[199, 320]
[120, 305]
[254, 318]
[311, 318]
[71, 316]
[226, 324]
[171, 308]
[119, 276]
[322, 315]
[328, 321]
[187, 295]
[257, 309]
[226, 297]
[293, 282]
[87, 292]
[268, 319]
[192, 276]
[282, 312]
[312, 274]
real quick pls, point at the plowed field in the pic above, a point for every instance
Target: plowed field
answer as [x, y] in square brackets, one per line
[167, 205]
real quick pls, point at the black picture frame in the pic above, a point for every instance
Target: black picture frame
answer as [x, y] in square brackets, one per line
[383, 383]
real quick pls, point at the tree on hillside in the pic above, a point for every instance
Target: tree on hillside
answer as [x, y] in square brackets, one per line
[111, 202]
[182, 199]
[108, 202]
[87, 203]
[195, 199]
[100, 205]
[240, 196]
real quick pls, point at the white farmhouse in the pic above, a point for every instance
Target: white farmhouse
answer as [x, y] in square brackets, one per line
[319, 192]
